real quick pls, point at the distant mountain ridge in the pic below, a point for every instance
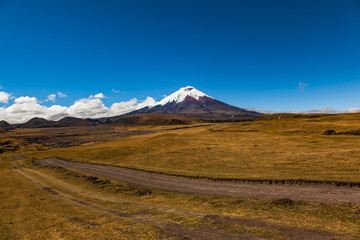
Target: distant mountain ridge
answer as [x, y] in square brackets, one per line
[187, 102]
[190, 102]
[5, 125]
[65, 122]
[123, 120]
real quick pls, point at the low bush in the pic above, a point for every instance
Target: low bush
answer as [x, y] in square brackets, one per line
[329, 132]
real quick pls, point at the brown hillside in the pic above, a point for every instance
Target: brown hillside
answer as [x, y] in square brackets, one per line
[37, 123]
[152, 119]
[72, 121]
[5, 125]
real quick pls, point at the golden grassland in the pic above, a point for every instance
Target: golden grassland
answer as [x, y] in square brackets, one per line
[28, 212]
[286, 148]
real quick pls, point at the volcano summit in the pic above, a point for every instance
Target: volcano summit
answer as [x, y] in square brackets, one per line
[190, 102]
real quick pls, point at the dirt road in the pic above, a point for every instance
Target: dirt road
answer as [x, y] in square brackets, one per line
[318, 193]
[55, 187]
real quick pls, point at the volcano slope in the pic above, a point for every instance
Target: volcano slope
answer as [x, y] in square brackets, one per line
[277, 149]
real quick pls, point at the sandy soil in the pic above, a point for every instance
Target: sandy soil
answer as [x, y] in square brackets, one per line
[307, 192]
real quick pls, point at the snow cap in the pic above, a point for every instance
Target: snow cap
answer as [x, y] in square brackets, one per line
[180, 95]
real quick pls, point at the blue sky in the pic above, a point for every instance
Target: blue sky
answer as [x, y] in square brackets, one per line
[246, 53]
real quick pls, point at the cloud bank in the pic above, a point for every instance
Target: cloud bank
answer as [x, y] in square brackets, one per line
[21, 109]
[25, 108]
[4, 97]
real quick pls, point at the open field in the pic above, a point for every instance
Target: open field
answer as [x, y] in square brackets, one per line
[39, 202]
[43, 203]
[277, 149]
[46, 138]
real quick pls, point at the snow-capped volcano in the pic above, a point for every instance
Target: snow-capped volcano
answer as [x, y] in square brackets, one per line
[180, 95]
[190, 102]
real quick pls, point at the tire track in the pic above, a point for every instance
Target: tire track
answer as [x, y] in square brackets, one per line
[208, 233]
[317, 193]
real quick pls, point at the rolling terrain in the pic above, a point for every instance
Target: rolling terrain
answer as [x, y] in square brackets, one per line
[289, 148]
[277, 158]
[64, 203]
[152, 119]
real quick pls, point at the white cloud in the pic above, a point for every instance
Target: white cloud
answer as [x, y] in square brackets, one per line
[353, 110]
[302, 86]
[261, 111]
[323, 110]
[24, 108]
[61, 95]
[99, 95]
[88, 108]
[4, 97]
[149, 101]
[55, 112]
[329, 111]
[26, 99]
[51, 97]
[124, 107]
[131, 105]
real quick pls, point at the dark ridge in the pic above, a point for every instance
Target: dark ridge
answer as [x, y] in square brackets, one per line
[37, 123]
[72, 121]
[65, 122]
[5, 125]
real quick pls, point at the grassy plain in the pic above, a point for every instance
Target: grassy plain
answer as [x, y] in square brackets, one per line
[28, 212]
[76, 207]
[55, 203]
[280, 149]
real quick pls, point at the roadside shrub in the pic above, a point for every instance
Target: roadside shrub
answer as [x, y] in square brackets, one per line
[329, 132]
[138, 190]
[283, 201]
